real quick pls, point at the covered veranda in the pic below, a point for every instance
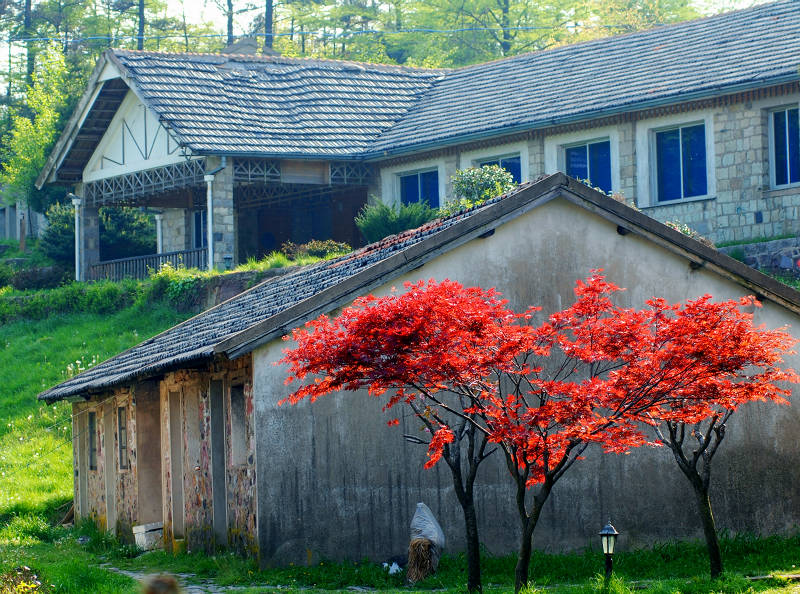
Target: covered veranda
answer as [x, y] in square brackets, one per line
[216, 212]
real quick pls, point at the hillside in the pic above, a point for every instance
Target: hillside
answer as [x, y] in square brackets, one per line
[35, 446]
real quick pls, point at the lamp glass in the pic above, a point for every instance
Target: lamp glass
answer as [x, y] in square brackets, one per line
[608, 538]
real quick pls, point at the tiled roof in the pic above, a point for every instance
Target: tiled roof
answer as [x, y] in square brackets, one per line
[277, 305]
[325, 108]
[196, 338]
[703, 57]
[281, 106]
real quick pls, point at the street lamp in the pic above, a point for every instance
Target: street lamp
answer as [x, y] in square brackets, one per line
[608, 537]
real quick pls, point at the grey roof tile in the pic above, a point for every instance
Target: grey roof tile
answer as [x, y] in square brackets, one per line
[665, 64]
[283, 106]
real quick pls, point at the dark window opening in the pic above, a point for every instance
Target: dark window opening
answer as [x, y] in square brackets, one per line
[122, 433]
[200, 229]
[92, 430]
[238, 426]
[786, 146]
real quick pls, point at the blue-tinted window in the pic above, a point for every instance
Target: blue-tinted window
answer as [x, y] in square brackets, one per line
[786, 146]
[681, 163]
[423, 186]
[511, 164]
[592, 162]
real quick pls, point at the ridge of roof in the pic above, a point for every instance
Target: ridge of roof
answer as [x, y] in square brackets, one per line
[260, 58]
[275, 306]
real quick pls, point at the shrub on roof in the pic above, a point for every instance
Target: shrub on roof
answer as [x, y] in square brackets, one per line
[379, 220]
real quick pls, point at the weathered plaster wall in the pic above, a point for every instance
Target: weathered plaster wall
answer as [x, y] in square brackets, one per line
[197, 479]
[123, 482]
[334, 479]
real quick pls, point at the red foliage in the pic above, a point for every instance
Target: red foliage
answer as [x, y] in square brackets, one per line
[592, 373]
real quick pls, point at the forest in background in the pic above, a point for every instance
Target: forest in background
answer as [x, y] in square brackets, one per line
[52, 46]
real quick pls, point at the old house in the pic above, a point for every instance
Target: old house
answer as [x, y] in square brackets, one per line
[695, 122]
[185, 429]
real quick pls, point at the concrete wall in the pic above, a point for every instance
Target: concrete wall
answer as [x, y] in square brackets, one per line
[741, 203]
[335, 480]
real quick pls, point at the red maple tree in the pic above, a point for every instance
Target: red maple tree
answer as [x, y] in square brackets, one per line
[475, 371]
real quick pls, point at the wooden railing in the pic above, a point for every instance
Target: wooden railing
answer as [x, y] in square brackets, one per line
[141, 266]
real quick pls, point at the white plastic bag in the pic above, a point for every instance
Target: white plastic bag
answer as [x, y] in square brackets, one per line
[424, 525]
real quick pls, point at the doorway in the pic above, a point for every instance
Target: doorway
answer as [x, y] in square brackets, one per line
[220, 507]
[176, 463]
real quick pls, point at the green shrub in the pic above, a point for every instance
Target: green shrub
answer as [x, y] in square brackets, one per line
[378, 220]
[476, 185]
[124, 232]
[316, 248]
[58, 240]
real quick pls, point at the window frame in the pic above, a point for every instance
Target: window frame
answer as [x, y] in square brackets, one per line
[646, 163]
[562, 157]
[401, 174]
[479, 161]
[771, 145]
[123, 449]
[654, 162]
[555, 154]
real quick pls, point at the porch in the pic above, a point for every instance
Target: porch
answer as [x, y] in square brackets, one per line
[219, 212]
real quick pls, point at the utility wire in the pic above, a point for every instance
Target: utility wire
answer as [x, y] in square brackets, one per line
[323, 33]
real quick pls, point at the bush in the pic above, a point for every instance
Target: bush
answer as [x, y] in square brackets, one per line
[376, 221]
[476, 185]
[58, 240]
[316, 248]
[124, 232]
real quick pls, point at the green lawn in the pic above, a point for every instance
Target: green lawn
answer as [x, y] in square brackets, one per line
[36, 489]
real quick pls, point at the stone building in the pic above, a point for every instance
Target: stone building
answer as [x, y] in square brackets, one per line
[184, 430]
[695, 122]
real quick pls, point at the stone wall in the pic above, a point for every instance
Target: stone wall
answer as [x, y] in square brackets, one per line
[176, 229]
[741, 203]
[780, 255]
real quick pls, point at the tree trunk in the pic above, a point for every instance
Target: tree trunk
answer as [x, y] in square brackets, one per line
[27, 21]
[709, 531]
[268, 39]
[525, 550]
[473, 546]
[140, 35]
[229, 15]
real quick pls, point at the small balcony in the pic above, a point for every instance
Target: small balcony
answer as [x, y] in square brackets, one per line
[139, 267]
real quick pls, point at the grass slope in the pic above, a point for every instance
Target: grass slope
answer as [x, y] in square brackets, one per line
[35, 447]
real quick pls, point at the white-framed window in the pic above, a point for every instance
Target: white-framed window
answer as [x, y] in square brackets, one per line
[591, 155]
[514, 157]
[675, 159]
[784, 146]
[200, 228]
[590, 161]
[420, 186]
[511, 163]
[680, 162]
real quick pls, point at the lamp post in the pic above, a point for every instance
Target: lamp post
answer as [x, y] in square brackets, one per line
[608, 537]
